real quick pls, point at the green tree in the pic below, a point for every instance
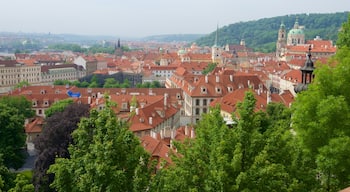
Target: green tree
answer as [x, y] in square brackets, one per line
[111, 83]
[209, 68]
[22, 84]
[22, 184]
[321, 117]
[19, 102]
[12, 136]
[344, 35]
[6, 176]
[54, 140]
[333, 164]
[58, 107]
[203, 164]
[105, 156]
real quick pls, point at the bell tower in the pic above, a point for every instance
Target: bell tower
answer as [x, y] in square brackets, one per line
[281, 41]
[306, 74]
[216, 51]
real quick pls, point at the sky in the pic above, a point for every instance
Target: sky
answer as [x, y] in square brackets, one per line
[140, 18]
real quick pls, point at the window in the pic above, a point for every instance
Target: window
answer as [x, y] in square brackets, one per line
[205, 102]
[203, 90]
[46, 103]
[204, 110]
[218, 89]
[124, 106]
[197, 111]
[197, 102]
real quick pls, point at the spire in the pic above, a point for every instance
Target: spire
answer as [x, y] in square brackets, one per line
[216, 35]
[306, 73]
[296, 24]
[119, 43]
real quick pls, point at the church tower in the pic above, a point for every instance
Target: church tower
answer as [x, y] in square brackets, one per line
[281, 41]
[296, 36]
[216, 51]
[118, 51]
[306, 74]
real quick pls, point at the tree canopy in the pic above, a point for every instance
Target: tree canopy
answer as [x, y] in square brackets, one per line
[55, 138]
[13, 112]
[105, 156]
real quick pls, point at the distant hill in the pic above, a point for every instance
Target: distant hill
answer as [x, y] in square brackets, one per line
[261, 35]
[173, 38]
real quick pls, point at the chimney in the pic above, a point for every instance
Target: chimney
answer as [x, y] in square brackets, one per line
[165, 100]
[268, 98]
[96, 101]
[186, 130]
[192, 132]
[89, 100]
[153, 135]
[172, 134]
[217, 78]
[162, 134]
[137, 111]
[206, 78]
[231, 78]
[150, 120]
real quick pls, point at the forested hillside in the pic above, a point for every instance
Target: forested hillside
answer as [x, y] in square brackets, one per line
[261, 35]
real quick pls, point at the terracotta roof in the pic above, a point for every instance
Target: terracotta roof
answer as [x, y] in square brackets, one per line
[35, 126]
[229, 102]
[157, 149]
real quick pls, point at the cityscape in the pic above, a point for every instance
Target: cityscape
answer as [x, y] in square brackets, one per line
[174, 113]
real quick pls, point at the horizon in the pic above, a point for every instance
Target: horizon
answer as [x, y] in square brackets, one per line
[134, 19]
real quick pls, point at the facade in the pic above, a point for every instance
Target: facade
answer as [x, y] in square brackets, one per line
[70, 72]
[13, 72]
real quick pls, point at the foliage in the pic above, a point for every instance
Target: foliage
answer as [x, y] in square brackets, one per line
[23, 184]
[6, 177]
[321, 119]
[22, 84]
[105, 156]
[209, 68]
[19, 102]
[344, 35]
[154, 84]
[111, 83]
[262, 34]
[242, 158]
[55, 139]
[58, 107]
[67, 47]
[12, 135]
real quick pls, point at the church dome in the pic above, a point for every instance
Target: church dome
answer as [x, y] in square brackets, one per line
[296, 32]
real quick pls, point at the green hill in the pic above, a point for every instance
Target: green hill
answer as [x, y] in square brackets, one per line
[261, 35]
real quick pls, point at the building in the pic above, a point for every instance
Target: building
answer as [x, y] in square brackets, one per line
[296, 36]
[13, 72]
[306, 74]
[70, 72]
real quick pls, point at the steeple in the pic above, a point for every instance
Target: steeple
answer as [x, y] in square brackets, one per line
[296, 24]
[281, 41]
[216, 35]
[216, 51]
[306, 74]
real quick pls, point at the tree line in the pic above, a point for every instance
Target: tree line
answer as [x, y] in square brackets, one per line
[261, 35]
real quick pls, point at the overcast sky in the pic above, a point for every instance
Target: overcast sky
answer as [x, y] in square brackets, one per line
[139, 18]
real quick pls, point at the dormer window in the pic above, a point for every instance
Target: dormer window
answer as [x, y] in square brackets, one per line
[204, 90]
[124, 106]
[218, 89]
[34, 103]
[229, 89]
[42, 91]
[46, 103]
